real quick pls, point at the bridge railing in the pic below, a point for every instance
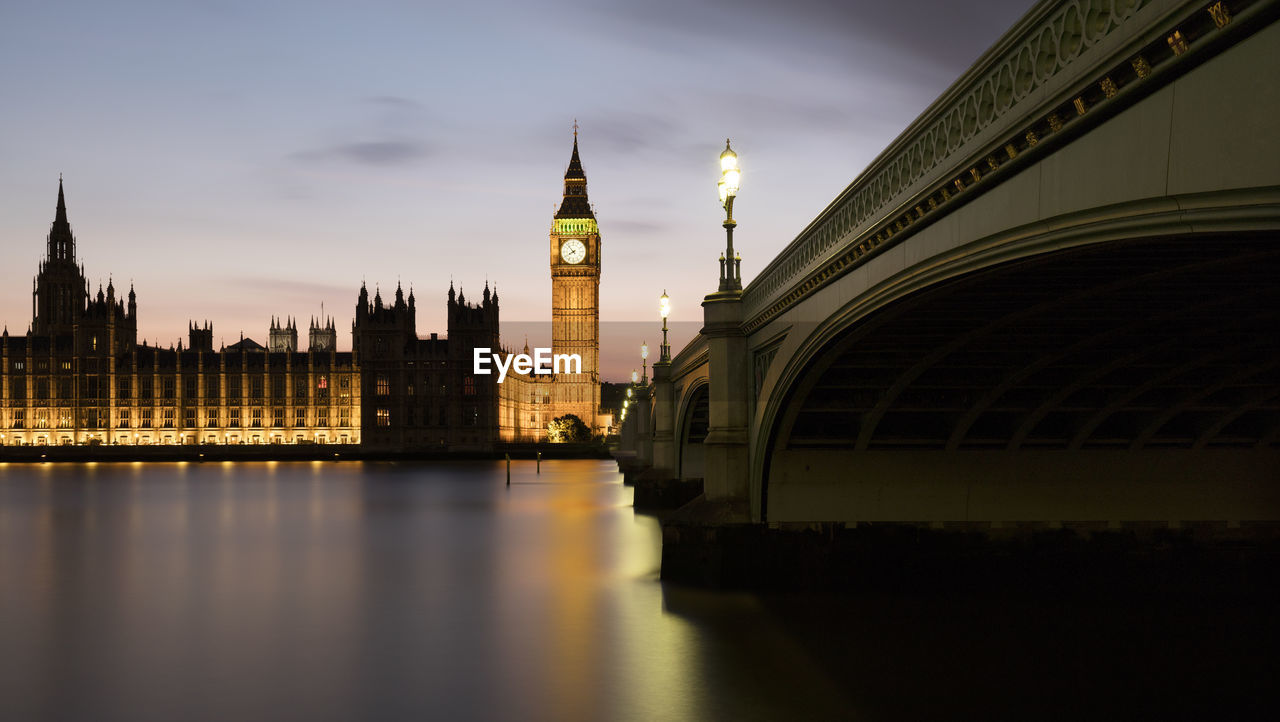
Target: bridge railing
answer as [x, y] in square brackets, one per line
[1066, 65]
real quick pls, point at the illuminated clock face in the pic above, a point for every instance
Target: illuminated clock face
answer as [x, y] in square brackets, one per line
[572, 251]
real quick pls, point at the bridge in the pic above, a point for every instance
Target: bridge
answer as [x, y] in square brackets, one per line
[1052, 302]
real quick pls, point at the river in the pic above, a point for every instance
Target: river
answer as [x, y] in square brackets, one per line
[360, 591]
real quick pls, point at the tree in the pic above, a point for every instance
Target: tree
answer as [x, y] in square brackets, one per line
[568, 429]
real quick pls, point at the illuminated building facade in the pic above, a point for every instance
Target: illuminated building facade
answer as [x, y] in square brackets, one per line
[531, 401]
[79, 376]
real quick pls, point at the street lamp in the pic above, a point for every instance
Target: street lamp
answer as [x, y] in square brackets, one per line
[730, 181]
[644, 363]
[664, 310]
[635, 379]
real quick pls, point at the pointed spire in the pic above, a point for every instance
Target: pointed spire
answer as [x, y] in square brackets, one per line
[575, 203]
[61, 216]
[62, 245]
[452, 295]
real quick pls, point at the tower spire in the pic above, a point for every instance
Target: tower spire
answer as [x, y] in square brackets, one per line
[62, 246]
[575, 203]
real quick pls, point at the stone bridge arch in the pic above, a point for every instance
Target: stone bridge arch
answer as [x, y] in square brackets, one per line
[1070, 366]
[691, 429]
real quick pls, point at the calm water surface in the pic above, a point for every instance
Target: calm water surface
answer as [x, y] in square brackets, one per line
[348, 591]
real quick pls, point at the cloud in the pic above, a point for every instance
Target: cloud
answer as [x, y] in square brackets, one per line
[634, 226]
[394, 102]
[942, 33]
[381, 153]
[316, 292]
[629, 132]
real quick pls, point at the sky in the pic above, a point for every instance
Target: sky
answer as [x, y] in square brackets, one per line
[242, 160]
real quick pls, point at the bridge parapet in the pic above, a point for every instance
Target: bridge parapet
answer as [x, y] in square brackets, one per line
[1065, 67]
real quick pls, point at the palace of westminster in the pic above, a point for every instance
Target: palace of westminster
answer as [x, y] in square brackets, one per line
[79, 376]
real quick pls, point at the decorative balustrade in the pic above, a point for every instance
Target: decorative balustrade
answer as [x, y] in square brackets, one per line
[1064, 66]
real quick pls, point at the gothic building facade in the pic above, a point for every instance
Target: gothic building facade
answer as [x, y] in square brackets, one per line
[79, 375]
[531, 401]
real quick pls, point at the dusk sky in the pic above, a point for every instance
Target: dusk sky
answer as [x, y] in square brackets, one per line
[237, 160]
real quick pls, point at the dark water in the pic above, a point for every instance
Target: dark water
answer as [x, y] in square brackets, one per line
[347, 591]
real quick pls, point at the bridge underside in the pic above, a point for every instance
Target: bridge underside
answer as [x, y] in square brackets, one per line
[1136, 381]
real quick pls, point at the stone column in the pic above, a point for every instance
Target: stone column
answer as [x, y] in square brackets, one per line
[644, 432]
[664, 422]
[726, 476]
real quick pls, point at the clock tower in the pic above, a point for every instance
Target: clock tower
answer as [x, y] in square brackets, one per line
[575, 295]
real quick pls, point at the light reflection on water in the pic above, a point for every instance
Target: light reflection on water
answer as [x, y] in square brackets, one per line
[341, 590]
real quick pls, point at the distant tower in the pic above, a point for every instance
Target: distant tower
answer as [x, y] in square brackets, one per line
[575, 294]
[200, 338]
[60, 291]
[282, 339]
[323, 335]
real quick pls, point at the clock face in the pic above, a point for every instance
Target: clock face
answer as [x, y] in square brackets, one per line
[572, 251]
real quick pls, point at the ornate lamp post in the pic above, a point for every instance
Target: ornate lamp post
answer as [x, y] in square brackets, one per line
[644, 364]
[730, 181]
[664, 310]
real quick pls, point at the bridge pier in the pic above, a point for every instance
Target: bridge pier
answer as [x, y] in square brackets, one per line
[663, 457]
[726, 480]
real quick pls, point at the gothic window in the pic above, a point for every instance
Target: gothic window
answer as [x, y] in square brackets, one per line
[189, 418]
[255, 388]
[167, 417]
[300, 417]
[211, 387]
[344, 417]
[469, 386]
[277, 386]
[122, 418]
[145, 421]
[234, 420]
[19, 365]
[384, 417]
[233, 387]
[211, 418]
[300, 383]
[145, 388]
[18, 389]
[168, 385]
[277, 416]
[189, 387]
[256, 418]
[322, 417]
[384, 385]
[322, 388]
